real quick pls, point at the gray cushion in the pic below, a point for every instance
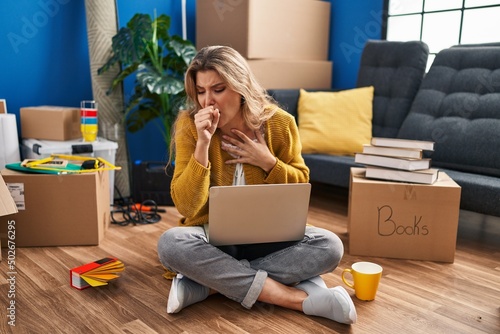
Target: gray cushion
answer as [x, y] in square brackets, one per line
[458, 107]
[330, 169]
[288, 99]
[480, 193]
[396, 70]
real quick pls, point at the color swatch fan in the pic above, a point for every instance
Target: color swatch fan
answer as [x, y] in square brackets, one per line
[96, 273]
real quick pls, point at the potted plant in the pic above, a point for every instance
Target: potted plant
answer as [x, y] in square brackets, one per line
[159, 61]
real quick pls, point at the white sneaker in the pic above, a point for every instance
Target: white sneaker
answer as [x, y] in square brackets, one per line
[348, 307]
[334, 304]
[184, 292]
[318, 281]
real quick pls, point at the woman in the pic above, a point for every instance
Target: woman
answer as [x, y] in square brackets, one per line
[235, 134]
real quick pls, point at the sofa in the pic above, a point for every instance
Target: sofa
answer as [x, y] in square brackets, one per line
[456, 104]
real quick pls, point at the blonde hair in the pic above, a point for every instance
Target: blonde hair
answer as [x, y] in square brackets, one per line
[237, 75]
[235, 72]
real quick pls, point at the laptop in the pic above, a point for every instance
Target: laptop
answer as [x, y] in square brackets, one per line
[253, 214]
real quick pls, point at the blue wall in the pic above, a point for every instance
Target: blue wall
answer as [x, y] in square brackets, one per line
[45, 58]
[44, 55]
[353, 22]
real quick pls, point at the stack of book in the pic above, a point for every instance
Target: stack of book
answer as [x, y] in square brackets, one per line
[396, 159]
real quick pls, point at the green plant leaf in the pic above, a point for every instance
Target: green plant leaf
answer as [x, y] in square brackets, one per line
[183, 49]
[110, 63]
[121, 76]
[158, 83]
[159, 61]
[130, 42]
[162, 26]
[144, 113]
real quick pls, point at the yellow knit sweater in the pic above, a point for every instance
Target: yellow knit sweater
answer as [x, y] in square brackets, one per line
[191, 181]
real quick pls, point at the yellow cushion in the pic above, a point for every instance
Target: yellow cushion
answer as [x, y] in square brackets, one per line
[337, 123]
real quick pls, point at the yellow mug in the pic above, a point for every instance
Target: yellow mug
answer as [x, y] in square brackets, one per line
[366, 277]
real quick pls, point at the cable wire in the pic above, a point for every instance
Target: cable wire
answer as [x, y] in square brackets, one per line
[126, 211]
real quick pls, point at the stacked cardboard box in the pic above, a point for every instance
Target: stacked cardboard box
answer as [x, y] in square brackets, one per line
[50, 130]
[50, 123]
[57, 209]
[284, 41]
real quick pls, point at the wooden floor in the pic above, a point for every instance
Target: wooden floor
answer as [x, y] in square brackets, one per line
[413, 297]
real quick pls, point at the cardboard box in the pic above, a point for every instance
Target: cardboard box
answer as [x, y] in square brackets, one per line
[292, 74]
[3, 106]
[58, 210]
[403, 220]
[102, 148]
[283, 29]
[7, 207]
[50, 123]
